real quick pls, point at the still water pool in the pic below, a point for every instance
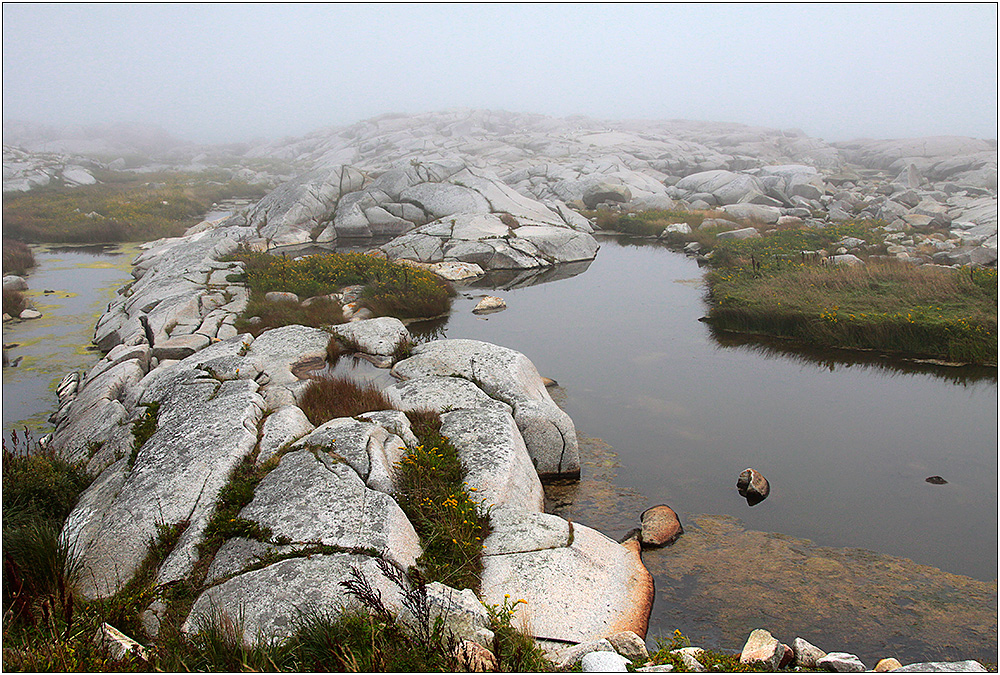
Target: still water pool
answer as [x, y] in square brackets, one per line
[673, 414]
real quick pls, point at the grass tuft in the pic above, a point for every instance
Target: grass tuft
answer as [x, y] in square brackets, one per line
[18, 257]
[329, 398]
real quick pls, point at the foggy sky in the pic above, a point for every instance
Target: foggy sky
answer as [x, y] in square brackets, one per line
[221, 73]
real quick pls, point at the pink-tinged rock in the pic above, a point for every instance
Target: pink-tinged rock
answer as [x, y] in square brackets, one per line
[660, 526]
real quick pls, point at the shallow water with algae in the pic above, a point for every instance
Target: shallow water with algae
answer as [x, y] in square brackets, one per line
[71, 286]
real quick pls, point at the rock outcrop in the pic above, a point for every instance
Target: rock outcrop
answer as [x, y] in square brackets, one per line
[165, 424]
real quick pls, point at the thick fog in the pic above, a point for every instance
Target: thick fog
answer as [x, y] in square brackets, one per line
[220, 73]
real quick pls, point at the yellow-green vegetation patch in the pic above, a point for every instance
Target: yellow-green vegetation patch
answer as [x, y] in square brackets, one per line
[391, 289]
[434, 496]
[120, 207]
[768, 286]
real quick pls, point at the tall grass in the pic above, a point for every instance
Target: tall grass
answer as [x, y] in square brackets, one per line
[325, 399]
[15, 302]
[17, 257]
[39, 491]
[320, 312]
[888, 306]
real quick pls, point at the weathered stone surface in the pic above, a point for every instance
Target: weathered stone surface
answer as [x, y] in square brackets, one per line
[616, 597]
[499, 470]
[509, 376]
[119, 645]
[753, 213]
[689, 657]
[629, 645]
[942, 667]
[806, 654]
[440, 394]
[204, 428]
[568, 657]
[180, 346]
[606, 192]
[12, 282]
[604, 662]
[382, 336]
[269, 601]
[841, 662]
[660, 526]
[282, 427]
[280, 349]
[762, 647]
[316, 498]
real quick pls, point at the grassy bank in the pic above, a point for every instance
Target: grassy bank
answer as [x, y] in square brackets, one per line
[767, 286]
[121, 207]
[389, 289]
[18, 257]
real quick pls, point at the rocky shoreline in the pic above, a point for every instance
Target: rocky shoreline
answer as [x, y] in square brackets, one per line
[474, 193]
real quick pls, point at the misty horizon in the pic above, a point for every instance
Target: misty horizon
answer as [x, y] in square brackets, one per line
[223, 73]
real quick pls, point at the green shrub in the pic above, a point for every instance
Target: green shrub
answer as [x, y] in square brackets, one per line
[390, 289]
[434, 496]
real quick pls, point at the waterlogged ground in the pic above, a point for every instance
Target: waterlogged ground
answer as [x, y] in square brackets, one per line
[71, 287]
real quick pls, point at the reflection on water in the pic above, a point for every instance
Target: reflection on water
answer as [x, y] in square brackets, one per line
[846, 450]
[831, 359]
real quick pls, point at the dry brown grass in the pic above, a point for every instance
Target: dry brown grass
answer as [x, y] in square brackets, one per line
[329, 398]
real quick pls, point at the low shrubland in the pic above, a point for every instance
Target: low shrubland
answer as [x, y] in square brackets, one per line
[121, 207]
[389, 289]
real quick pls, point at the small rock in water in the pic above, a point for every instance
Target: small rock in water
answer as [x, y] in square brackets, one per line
[753, 486]
[935, 480]
[30, 314]
[490, 303]
[660, 526]
[886, 665]
[841, 662]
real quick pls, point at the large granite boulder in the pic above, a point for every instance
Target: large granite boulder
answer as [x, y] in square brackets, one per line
[578, 584]
[493, 242]
[511, 377]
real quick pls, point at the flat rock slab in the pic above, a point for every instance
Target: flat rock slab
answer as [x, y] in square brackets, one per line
[270, 601]
[204, 429]
[382, 336]
[312, 498]
[280, 349]
[579, 592]
[441, 393]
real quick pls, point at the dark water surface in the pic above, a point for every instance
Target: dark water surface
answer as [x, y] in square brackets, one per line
[671, 414]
